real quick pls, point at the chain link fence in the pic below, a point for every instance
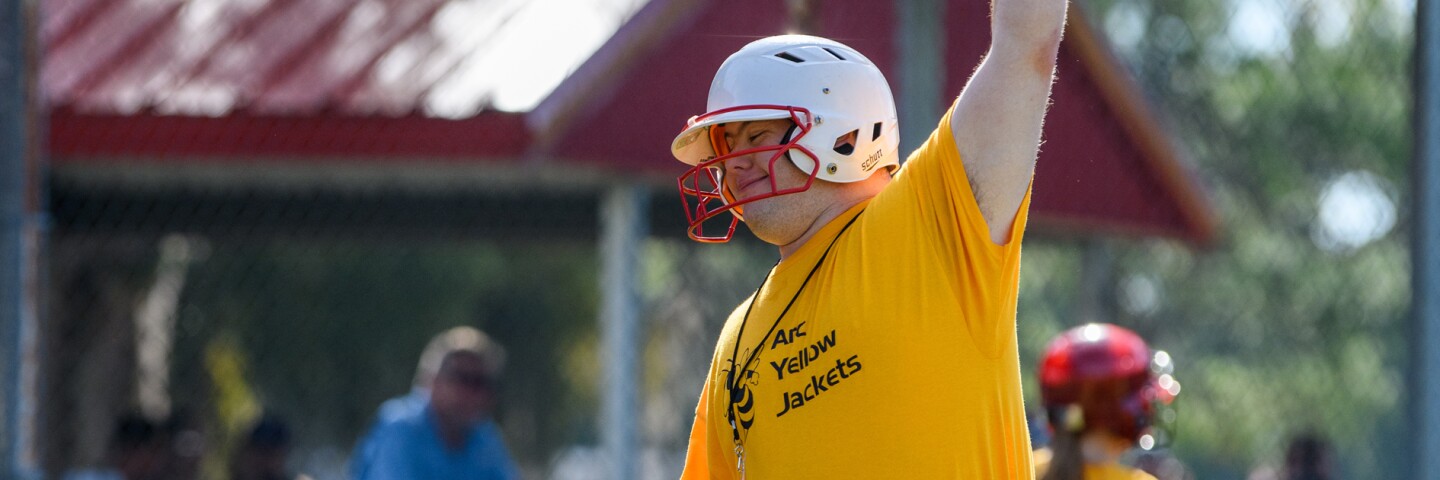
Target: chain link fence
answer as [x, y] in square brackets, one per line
[202, 310]
[202, 306]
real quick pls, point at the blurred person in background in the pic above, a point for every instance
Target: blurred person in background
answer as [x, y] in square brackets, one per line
[139, 450]
[265, 452]
[419, 394]
[186, 446]
[444, 428]
[1103, 394]
[1308, 457]
[1161, 463]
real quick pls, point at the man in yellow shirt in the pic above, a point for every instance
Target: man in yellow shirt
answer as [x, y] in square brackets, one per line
[882, 344]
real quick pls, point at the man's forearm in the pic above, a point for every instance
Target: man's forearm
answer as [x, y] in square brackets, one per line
[1030, 26]
[998, 119]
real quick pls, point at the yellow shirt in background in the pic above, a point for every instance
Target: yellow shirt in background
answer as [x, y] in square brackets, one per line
[897, 360]
[1111, 471]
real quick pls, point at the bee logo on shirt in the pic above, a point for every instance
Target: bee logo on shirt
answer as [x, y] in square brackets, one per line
[742, 400]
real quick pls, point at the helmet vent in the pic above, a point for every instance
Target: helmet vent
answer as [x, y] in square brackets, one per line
[788, 56]
[836, 55]
[845, 144]
[875, 132]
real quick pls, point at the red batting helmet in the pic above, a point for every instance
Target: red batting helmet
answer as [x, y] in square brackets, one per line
[1100, 376]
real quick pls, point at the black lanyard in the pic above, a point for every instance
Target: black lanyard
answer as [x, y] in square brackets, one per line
[733, 387]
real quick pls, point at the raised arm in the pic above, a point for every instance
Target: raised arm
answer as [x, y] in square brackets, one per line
[998, 117]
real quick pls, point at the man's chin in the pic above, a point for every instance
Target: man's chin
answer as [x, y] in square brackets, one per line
[769, 229]
[758, 215]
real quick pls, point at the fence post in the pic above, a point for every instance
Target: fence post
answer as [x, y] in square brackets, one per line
[19, 245]
[623, 230]
[1425, 331]
[920, 64]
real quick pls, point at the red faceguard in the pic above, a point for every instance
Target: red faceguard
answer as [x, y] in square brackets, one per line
[705, 181]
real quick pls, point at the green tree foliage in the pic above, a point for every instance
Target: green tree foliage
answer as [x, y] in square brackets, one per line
[1278, 327]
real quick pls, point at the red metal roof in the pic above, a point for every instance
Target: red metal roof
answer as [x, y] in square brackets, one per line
[241, 137]
[267, 57]
[296, 81]
[235, 78]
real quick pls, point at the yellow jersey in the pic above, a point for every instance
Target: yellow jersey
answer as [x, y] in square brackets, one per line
[898, 356]
[1108, 471]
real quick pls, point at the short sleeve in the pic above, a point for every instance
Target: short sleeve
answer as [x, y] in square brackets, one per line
[930, 209]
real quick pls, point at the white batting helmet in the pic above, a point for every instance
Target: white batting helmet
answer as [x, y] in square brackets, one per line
[841, 106]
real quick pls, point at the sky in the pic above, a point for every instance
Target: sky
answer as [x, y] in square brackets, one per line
[538, 45]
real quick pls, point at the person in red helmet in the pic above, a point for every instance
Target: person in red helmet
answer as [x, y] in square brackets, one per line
[1103, 393]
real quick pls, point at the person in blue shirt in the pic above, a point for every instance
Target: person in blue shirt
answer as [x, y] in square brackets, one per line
[443, 429]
